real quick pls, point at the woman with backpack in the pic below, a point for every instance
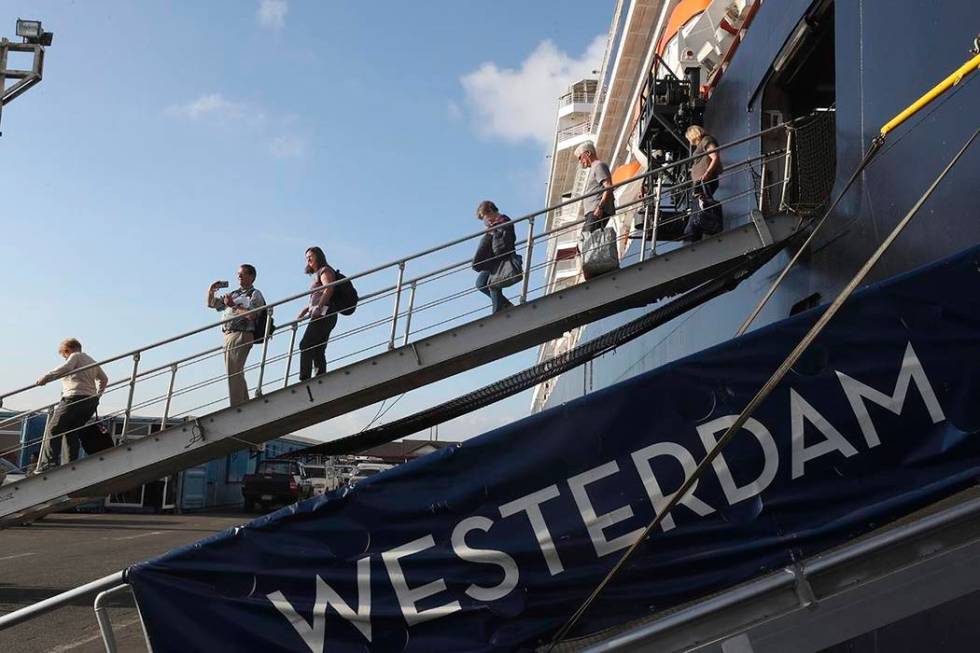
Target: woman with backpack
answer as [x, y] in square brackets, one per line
[313, 346]
[495, 260]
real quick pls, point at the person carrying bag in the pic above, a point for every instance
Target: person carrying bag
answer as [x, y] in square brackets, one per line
[497, 263]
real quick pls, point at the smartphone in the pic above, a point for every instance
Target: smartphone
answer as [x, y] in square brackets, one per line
[221, 284]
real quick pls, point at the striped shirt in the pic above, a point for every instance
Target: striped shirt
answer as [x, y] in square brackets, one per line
[243, 298]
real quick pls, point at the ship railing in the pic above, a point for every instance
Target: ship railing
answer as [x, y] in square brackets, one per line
[577, 97]
[575, 130]
[397, 309]
[566, 230]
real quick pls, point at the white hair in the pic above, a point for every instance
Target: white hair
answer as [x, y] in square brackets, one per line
[587, 146]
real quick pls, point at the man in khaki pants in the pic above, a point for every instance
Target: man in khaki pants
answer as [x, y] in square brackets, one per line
[239, 330]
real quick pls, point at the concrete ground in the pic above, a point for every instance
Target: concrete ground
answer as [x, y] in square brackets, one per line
[64, 551]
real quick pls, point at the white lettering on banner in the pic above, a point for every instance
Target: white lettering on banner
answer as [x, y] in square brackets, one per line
[800, 408]
[531, 504]
[595, 524]
[733, 493]
[642, 460]
[484, 557]
[325, 595]
[911, 371]
[407, 596]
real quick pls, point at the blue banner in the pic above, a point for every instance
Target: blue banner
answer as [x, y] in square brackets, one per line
[492, 546]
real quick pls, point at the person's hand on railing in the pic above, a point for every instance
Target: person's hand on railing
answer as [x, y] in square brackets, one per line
[303, 313]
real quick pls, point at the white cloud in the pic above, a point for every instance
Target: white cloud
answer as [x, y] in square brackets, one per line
[276, 133]
[212, 104]
[519, 105]
[288, 147]
[272, 13]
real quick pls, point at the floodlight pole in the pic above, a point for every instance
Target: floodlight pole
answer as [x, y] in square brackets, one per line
[25, 78]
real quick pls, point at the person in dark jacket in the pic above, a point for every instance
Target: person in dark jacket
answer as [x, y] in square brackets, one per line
[495, 247]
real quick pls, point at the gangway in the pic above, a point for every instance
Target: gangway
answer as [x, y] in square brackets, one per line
[403, 366]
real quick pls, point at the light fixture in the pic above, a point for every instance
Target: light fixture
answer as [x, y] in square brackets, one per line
[29, 29]
[32, 32]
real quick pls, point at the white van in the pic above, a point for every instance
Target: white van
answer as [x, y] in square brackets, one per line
[363, 470]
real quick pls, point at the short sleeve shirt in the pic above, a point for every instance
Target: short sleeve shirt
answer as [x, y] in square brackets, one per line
[315, 297]
[598, 173]
[243, 298]
[700, 165]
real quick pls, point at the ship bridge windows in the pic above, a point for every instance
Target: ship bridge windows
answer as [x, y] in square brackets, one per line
[801, 85]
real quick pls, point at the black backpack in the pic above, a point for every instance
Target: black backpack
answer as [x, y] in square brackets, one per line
[259, 334]
[345, 297]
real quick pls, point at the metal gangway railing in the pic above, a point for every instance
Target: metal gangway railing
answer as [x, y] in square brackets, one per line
[389, 316]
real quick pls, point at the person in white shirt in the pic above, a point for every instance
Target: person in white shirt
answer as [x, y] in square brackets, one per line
[81, 389]
[240, 331]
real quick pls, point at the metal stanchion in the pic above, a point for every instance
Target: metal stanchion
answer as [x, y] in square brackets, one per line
[132, 390]
[398, 297]
[289, 356]
[265, 351]
[528, 251]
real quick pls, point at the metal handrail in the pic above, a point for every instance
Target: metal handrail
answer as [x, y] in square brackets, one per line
[572, 97]
[554, 233]
[574, 130]
[398, 264]
[58, 600]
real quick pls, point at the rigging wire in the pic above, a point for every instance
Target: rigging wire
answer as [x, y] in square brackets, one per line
[872, 151]
[761, 395]
[876, 148]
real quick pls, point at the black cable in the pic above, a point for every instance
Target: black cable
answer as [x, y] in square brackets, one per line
[532, 376]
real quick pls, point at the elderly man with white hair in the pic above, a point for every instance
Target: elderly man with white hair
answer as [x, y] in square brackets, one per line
[599, 206]
[83, 383]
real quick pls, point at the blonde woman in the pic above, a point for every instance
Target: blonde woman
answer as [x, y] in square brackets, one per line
[706, 168]
[706, 217]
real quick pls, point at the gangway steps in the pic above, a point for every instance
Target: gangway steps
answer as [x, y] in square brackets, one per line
[394, 372]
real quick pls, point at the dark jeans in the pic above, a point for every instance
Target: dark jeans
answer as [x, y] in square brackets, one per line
[706, 221]
[496, 295]
[313, 346]
[70, 414]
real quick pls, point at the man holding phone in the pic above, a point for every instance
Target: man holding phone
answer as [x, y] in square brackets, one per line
[239, 329]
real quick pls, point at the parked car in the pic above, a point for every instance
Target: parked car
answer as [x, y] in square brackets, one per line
[9, 472]
[324, 479]
[364, 470]
[276, 482]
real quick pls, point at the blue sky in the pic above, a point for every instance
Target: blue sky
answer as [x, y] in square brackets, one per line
[170, 142]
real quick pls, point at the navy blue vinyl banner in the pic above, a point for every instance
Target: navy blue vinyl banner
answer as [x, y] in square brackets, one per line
[491, 546]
